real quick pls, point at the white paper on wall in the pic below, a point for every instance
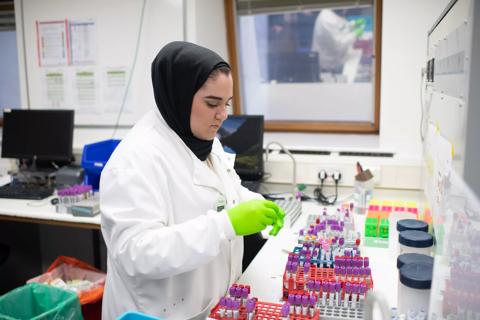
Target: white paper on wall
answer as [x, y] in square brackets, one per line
[83, 45]
[52, 44]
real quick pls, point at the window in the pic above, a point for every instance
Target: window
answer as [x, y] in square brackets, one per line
[313, 67]
[9, 76]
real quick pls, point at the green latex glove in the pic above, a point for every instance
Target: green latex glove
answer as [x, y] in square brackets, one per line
[255, 215]
[359, 31]
[359, 27]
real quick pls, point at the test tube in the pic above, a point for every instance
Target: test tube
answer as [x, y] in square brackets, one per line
[338, 293]
[324, 292]
[244, 296]
[291, 301]
[363, 291]
[232, 290]
[238, 293]
[331, 293]
[355, 292]
[229, 310]
[366, 262]
[310, 286]
[250, 309]
[284, 312]
[313, 303]
[298, 304]
[222, 306]
[236, 309]
[305, 303]
[318, 286]
[347, 295]
[368, 272]
[306, 271]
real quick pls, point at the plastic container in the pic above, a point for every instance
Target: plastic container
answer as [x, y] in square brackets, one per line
[69, 268]
[407, 258]
[411, 224]
[40, 301]
[399, 214]
[363, 193]
[94, 158]
[136, 316]
[413, 241]
[415, 281]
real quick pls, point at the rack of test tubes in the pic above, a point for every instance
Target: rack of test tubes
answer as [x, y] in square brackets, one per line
[67, 197]
[326, 264]
[238, 305]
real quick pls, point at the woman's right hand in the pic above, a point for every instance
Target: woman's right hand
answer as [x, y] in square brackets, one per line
[255, 215]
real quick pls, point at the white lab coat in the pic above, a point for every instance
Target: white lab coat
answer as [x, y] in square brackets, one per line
[332, 38]
[170, 253]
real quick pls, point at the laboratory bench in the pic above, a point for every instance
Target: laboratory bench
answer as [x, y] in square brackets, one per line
[265, 272]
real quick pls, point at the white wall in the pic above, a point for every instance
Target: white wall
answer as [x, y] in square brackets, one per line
[404, 35]
[404, 53]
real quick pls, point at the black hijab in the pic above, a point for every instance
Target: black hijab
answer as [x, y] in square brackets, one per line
[178, 71]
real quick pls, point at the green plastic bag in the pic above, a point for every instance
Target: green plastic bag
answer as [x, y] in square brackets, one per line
[40, 302]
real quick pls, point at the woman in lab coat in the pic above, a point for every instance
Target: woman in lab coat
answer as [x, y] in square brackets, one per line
[173, 209]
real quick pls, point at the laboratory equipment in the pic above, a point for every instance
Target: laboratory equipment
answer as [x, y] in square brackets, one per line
[288, 153]
[69, 176]
[363, 190]
[242, 135]
[25, 191]
[94, 158]
[413, 241]
[39, 136]
[450, 134]
[234, 306]
[71, 196]
[407, 258]
[415, 280]
[411, 224]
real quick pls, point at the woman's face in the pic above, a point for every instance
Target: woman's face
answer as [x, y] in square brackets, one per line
[209, 106]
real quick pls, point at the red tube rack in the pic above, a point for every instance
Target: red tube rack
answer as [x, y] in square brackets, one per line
[263, 311]
[322, 274]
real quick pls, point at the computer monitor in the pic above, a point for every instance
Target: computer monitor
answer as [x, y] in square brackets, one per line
[43, 135]
[243, 135]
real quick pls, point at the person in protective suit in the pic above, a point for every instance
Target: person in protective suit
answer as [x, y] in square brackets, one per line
[173, 209]
[333, 38]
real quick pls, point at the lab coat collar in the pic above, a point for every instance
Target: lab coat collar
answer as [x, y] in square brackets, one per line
[202, 174]
[205, 176]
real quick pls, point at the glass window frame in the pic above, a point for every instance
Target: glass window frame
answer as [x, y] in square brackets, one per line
[308, 126]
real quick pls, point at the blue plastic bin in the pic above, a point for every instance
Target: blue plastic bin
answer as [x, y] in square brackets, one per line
[136, 316]
[94, 158]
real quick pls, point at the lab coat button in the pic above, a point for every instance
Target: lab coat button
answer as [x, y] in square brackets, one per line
[233, 201]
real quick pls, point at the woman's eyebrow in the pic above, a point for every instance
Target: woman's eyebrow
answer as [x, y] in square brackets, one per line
[217, 98]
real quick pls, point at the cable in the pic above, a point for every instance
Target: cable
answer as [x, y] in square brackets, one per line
[318, 192]
[134, 63]
[421, 104]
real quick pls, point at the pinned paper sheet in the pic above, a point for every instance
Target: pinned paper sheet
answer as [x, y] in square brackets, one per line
[52, 43]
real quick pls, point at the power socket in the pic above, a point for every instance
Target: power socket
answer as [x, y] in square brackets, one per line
[329, 177]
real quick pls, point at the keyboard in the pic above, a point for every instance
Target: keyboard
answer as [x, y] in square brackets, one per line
[292, 208]
[23, 191]
[253, 186]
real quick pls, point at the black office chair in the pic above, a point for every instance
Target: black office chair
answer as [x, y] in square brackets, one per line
[4, 253]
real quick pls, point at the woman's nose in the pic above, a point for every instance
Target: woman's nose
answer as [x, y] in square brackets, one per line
[222, 113]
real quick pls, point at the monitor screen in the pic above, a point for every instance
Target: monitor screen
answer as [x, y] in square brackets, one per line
[40, 134]
[243, 135]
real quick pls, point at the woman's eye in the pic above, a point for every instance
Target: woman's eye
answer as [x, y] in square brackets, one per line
[212, 104]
